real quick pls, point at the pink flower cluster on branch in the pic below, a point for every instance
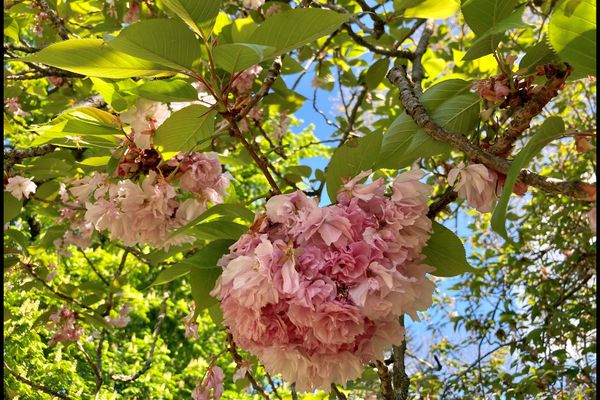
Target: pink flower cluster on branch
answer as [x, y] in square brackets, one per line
[311, 289]
[64, 322]
[148, 209]
[211, 387]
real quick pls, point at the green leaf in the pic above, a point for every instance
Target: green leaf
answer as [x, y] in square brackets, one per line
[111, 93]
[226, 211]
[92, 126]
[551, 128]
[376, 73]
[99, 161]
[302, 170]
[184, 129]
[215, 313]
[355, 156]
[47, 190]
[488, 41]
[52, 233]
[214, 230]
[291, 29]
[18, 237]
[166, 91]
[572, 34]
[92, 57]
[427, 8]
[445, 252]
[204, 272]
[199, 15]
[170, 274]
[239, 56]
[51, 165]
[482, 15]
[450, 104]
[163, 41]
[539, 54]
[12, 207]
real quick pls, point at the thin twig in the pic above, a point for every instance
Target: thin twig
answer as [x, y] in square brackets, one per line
[258, 158]
[273, 386]
[238, 360]
[93, 267]
[354, 113]
[56, 20]
[148, 363]
[94, 367]
[29, 269]
[338, 394]
[377, 49]
[272, 75]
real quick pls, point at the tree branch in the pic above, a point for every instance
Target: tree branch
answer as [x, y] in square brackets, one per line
[29, 268]
[399, 378]
[93, 267]
[270, 79]
[12, 156]
[354, 113]
[377, 49]
[387, 391]
[437, 206]
[35, 385]
[338, 394]
[418, 71]
[521, 119]
[417, 112]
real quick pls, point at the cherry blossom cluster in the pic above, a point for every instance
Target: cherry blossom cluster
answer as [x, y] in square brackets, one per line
[148, 209]
[64, 322]
[211, 386]
[309, 289]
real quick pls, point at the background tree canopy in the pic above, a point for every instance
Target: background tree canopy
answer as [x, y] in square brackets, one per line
[494, 99]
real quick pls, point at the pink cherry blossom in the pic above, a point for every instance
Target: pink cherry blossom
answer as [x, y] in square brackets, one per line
[20, 187]
[144, 118]
[311, 288]
[64, 322]
[477, 184]
[122, 320]
[243, 82]
[191, 326]
[254, 4]
[211, 387]
[592, 219]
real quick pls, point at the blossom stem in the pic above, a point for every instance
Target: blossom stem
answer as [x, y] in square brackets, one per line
[260, 160]
[238, 361]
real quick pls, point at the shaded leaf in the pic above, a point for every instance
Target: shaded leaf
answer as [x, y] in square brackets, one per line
[551, 128]
[445, 252]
